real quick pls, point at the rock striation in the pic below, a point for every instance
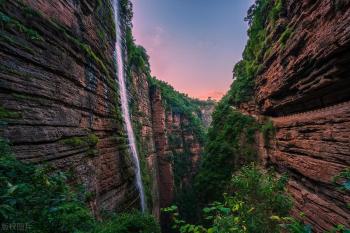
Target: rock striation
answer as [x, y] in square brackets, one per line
[57, 80]
[304, 89]
[60, 107]
[165, 136]
[310, 70]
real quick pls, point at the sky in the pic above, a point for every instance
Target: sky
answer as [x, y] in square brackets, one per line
[193, 44]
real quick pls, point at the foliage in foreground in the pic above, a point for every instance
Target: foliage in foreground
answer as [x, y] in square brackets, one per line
[255, 202]
[129, 222]
[41, 198]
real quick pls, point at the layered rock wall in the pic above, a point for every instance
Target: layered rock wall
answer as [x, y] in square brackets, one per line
[304, 87]
[60, 103]
[167, 142]
[310, 70]
[59, 96]
[312, 148]
[165, 176]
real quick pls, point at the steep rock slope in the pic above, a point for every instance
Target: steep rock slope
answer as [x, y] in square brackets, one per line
[309, 70]
[59, 97]
[169, 145]
[169, 125]
[303, 86]
[314, 148]
[60, 103]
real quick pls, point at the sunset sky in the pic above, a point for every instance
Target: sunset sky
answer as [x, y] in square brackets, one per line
[193, 44]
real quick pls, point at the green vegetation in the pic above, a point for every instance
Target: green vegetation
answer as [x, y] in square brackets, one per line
[339, 229]
[285, 36]
[89, 140]
[181, 103]
[230, 140]
[31, 15]
[259, 16]
[8, 22]
[7, 114]
[40, 197]
[268, 131]
[24, 96]
[256, 203]
[137, 55]
[137, 61]
[276, 10]
[88, 51]
[342, 180]
[145, 171]
[32, 195]
[188, 108]
[344, 177]
[126, 11]
[229, 146]
[129, 222]
[7, 38]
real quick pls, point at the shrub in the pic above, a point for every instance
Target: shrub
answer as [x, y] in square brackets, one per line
[128, 223]
[259, 16]
[137, 55]
[268, 131]
[7, 114]
[344, 178]
[41, 198]
[229, 146]
[276, 9]
[285, 36]
[36, 196]
[255, 202]
[245, 70]
[262, 193]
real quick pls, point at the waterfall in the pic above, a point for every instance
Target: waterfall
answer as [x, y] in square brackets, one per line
[124, 102]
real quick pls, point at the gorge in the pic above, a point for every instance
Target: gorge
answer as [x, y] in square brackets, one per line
[89, 138]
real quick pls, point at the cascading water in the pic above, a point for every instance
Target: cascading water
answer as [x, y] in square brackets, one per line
[124, 102]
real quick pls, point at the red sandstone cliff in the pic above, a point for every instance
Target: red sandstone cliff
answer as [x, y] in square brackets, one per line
[60, 104]
[309, 76]
[164, 135]
[57, 80]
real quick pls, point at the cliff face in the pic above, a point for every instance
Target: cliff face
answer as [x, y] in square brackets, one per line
[309, 76]
[165, 176]
[206, 113]
[142, 116]
[314, 146]
[60, 104]
[59, 96]
[310, 70]
[179, 150]
[165, 136]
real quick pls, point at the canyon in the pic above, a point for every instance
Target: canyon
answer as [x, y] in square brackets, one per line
[60, 106]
